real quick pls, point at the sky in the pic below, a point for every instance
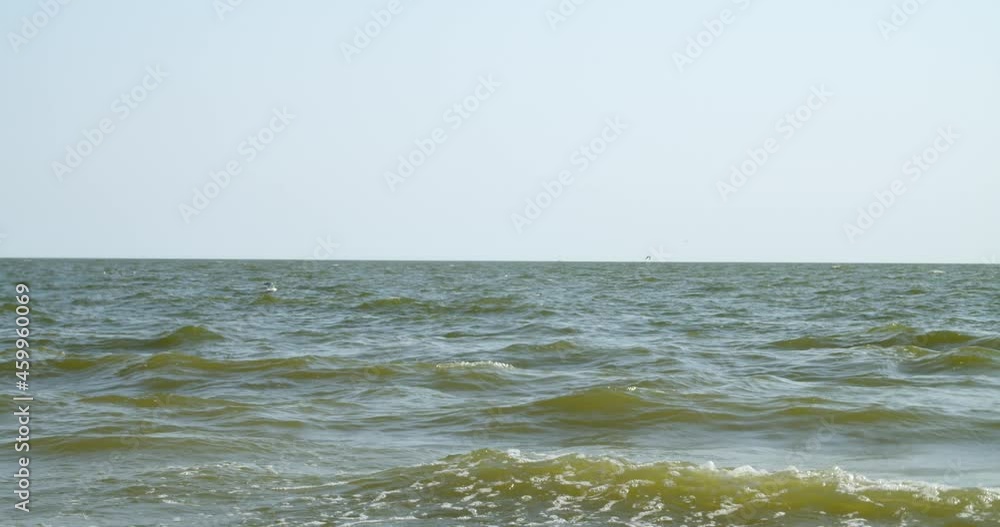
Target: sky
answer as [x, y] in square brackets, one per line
[716, 130]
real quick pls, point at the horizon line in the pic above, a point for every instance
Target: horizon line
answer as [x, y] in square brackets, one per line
[388, 260]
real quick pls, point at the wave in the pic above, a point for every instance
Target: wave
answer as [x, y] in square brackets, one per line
[558, 345]
[914, 352]
[142, 439]
[267, 299]
[489, 305]
[500, 487]
[900, 335]
[475, 364]
[650, 406]
[396, 303]
[594, 401]
[181, 362]
[151, 412]
[164, 363]
[967, 359]
[169, 401]
[370, 373]
[446, 376]
[861, 416]
[605, 407]
[936, 340]
[165, 367]
[77, 363]
[806, 343]
[182, 337]
[535, 328]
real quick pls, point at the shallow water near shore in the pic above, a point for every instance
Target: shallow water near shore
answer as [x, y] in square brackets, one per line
[439, 394]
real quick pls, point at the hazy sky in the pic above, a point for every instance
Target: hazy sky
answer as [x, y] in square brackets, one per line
[600, 131]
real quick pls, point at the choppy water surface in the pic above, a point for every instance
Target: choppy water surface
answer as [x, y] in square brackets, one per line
[446, 394]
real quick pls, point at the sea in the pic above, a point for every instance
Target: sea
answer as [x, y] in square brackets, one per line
[179, 393]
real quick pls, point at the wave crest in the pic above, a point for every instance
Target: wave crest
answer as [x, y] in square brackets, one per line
[181, 337]
[507, 486]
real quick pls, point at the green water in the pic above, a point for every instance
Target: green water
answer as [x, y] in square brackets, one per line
[447, 394]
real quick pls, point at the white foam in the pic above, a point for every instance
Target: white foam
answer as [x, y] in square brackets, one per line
[476, 364]
[305, 487]
[383, 520]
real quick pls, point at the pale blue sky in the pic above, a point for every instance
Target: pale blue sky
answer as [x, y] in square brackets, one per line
[654, 191]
